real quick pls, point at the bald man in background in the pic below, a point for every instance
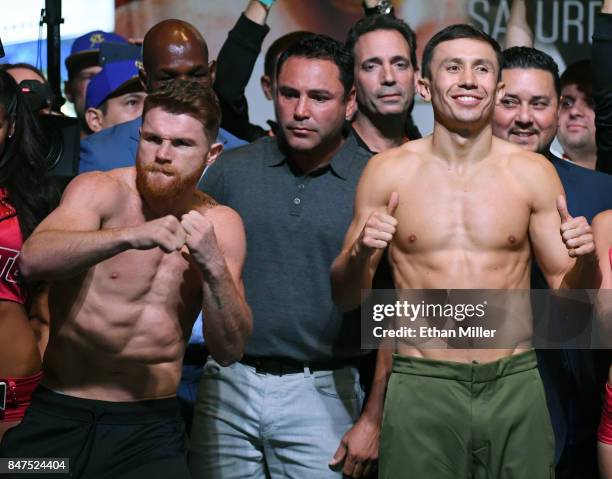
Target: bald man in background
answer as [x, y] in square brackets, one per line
[171, 49]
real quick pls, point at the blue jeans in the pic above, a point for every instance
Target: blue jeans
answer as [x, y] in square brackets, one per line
[256, 425]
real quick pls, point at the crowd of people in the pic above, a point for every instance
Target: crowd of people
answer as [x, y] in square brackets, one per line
[190, 307]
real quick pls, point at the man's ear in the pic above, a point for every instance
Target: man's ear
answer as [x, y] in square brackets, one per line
[94, 119]
[423, 86]
[212, 71]
[500, 92]
[266, 86]
[213, 153]
[351, 104]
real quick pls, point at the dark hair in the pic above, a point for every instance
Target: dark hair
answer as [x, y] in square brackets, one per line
[278, 46]
[455, 32]
[188, 97]
[525, 58]
[322, 47]
[25, 66]
[382, 22]
[22, 163]
[579, 73]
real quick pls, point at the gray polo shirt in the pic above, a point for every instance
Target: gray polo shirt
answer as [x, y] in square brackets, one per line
[295, 226]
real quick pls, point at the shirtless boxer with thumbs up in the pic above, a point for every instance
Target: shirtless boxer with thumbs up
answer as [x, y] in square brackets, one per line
[461, 209]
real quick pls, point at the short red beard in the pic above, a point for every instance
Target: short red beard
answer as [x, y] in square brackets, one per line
[172, 186]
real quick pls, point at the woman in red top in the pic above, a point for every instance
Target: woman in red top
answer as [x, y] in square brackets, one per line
[25, 199]
[602, 233]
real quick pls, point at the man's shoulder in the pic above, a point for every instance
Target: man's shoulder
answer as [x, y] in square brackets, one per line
[251, 154]
[408, 155]
[114, 133]
[110, 185]
[207, 205]
[603, 220]
[597, 177]
[110, 148]
[528, 162]
[203, 201]
[230, 141]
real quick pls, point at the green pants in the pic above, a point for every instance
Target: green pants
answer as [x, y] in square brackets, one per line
[466, 420]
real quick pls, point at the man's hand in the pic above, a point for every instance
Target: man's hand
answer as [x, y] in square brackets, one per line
[201, 239]
[166, 232]
[576, 232]
[378, 230]
[358, 449]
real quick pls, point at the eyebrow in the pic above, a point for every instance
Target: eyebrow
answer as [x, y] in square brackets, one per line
[320, 92]
[533, 98]
[379, 59]
[477, 61]
[315, 91]
[151, 135]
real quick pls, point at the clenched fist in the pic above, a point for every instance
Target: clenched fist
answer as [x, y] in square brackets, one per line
[166, 232]
[201, 239]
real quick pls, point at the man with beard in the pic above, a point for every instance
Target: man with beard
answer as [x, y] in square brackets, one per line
[171, 49]
[133, 255]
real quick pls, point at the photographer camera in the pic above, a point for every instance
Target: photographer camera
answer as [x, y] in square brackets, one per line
[60, 133]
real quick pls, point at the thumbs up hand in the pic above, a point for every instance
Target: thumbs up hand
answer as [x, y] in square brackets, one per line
[379, 229]
[576, 232]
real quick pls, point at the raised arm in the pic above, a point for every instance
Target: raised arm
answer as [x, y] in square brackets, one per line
[370, 232]
[72, 238]
[217, 243]
[518, 30]
[563, 245]
[235, 65]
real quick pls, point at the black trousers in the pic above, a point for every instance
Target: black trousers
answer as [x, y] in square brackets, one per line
[102, 439]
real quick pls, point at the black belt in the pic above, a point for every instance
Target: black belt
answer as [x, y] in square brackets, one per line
[280, 366]
[195, 355]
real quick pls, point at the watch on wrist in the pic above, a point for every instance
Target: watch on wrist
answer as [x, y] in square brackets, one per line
[383, 7]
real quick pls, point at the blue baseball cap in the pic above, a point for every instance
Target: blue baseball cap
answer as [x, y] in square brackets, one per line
[111, 81]
[85, 50]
